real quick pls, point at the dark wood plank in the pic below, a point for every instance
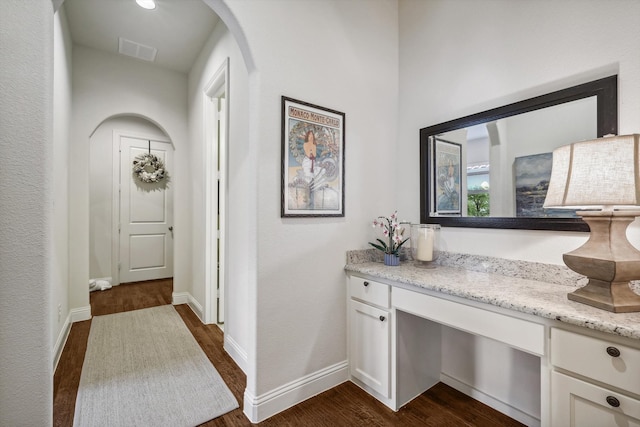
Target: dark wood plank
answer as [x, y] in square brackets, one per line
[344, 405]
[66, 378]
[131, 296]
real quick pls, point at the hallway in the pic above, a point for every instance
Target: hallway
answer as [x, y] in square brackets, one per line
[135, 296]
[345, 405]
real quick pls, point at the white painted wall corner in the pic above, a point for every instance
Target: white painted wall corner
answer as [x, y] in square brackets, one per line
[178, 298]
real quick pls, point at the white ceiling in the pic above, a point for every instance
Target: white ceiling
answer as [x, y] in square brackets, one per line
[177, 28]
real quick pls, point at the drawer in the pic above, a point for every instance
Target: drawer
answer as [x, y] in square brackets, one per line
[370, 292]
[589, 356]
[517, 333]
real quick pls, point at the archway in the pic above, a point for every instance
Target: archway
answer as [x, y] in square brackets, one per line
[105, 208]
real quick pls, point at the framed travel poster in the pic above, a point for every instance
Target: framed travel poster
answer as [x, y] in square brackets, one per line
[312, 160]
[447, 175]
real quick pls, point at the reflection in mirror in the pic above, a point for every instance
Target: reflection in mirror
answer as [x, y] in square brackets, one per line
[492, 169]
[507, 162]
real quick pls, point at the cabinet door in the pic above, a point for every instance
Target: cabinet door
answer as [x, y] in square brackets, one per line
[576, 403]
[370, 346]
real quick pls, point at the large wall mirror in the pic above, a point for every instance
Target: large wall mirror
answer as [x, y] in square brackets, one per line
[491, 169]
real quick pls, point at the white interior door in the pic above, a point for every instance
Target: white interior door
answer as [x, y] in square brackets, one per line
[216, 104]
[146, 215]
[222, 204]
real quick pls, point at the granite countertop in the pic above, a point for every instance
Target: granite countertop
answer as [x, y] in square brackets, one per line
[495, 286]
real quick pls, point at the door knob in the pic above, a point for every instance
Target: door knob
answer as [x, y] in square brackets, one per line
[171, 228]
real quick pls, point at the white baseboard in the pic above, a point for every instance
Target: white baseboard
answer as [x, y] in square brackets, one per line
[259, 408]
[178, 298]
[75, 315]
[491, 401]
[80, 314]
[60, 342]
[237, 353]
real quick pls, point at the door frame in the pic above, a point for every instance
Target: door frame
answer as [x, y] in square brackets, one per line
[115, 195]
[213, 93]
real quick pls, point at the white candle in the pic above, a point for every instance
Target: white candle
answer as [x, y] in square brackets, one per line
[425, 245]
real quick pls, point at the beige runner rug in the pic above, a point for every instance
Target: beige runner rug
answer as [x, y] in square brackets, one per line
[144, 368]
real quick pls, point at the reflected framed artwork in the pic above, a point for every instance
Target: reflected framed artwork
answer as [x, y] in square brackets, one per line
[532, 174]
[447, 176]
[312, 160]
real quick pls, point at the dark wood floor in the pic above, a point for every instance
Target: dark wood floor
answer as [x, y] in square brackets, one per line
[344, 405]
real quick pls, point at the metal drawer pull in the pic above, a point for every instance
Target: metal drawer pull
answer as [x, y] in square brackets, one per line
[613, 352]
[382, 318]
[366, 284]
[613, 401]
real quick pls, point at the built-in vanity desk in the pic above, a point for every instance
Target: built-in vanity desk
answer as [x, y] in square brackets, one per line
[557, 363]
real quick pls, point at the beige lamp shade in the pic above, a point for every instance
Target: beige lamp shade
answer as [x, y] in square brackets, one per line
[596, 177]
[596, 173]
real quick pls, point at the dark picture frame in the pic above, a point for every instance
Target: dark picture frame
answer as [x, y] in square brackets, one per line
[313, 146]
[446, 176]
[606, 92]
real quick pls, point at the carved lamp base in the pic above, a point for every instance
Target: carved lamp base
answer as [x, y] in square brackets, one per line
[609, 261]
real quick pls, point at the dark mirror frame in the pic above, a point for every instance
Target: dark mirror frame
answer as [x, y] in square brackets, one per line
[606, 91]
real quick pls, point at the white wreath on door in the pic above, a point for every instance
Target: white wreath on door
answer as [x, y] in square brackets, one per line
[148, 168]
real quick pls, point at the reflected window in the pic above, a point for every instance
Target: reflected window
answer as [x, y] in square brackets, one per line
[478, 168]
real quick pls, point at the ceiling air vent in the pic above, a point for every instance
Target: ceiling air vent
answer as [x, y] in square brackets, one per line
[136, 50]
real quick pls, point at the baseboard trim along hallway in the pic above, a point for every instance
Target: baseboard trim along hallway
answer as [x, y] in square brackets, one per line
[178, 298]
[259, 408]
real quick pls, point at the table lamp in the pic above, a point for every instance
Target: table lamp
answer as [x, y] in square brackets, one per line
[601, 179]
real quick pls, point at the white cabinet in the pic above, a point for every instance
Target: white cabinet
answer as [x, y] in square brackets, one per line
[370, 334]
[369, 346]
[587, 377]
[595, 382]
[582, 404]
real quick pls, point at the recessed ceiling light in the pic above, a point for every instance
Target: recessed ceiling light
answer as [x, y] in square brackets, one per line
[147, 4]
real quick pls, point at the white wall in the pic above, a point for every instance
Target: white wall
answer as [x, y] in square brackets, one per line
[500, 52]
[241, 181]
[101, 187]
[59, 302]
[496, 53]
[343, 56]
[105, 86]
[26, 212]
